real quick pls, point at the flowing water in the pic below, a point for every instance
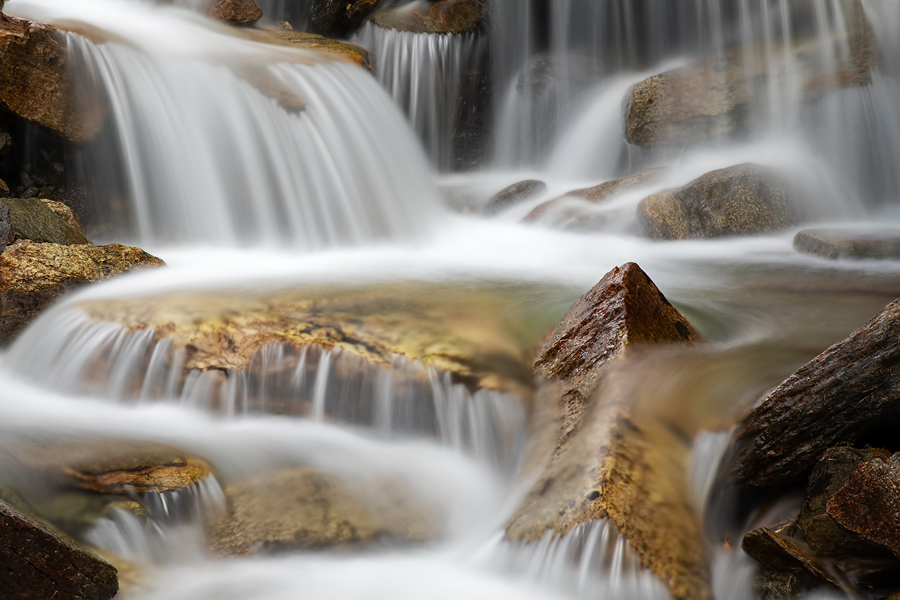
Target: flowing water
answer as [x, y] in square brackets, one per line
[253, 170]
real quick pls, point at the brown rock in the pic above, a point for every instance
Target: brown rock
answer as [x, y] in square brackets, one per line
[34, 83]
[4, 189]
[778, 586]
[869, 503]
[781, 554]
[312, 41]
[613, 461]
[741, 200]
[823, 534]
[445, 16]
[40, 563]
[235, 12]
[624, 308]
[341, 17]
[64, 212]
[302, 508]
[514, 194]
[6, 231]
[36, 220]
[601, 193]
[32, 275]
[711, 97]
[842, 395]
[148, 472]
[837, 243]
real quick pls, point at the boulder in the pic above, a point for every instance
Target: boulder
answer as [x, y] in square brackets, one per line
[711, 97]
[443, 17]
[514, 194]
[35, 84]
[848, 243]
[848, 393]
[33, 274]
[235, 12]
[614, 459]
[600, 193]
[777, 553]
[39, 562]
[64, 212]
[341, 18]
[36, 220]
[744, 199]
[302, 509]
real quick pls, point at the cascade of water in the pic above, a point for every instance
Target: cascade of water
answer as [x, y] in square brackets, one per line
[79, 355]
[424, 73]
[224, 141]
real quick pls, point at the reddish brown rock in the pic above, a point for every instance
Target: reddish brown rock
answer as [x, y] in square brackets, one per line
[445, 16]
[35, 84]
[843, 395]
[613, 460]
[38, 563]
[236, 12]
[744, 199]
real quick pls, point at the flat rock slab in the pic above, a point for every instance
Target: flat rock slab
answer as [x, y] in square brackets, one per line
[745, 199]
[310, 41]
[842, 395]
[37, 563]
[443, 17]
[849, 243]
[782, 554]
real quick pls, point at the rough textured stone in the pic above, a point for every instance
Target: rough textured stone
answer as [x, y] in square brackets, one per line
[869, 503]
[613, 460]
[445, 16]
[64, 212]
[601, 193]
[4, 189]
[740, 200]
[849, 243]
[845, 394]
[235, 12]
[6, 231]
[710, 98]
[34, 83]
[781, 554]
[33, 219]
[141, 473]
[341, 17]
[39, 563]
[302, 508]
[514, 194]
[32, 275]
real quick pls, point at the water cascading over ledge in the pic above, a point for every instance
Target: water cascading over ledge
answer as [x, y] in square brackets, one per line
[223, 141]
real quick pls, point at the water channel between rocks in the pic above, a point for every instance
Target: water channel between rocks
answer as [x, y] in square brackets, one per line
[335, 311]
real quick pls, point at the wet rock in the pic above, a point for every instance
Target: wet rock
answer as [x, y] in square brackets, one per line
[302, 508]
[271, 86]
[711, 98]
[34, 82]
[780, 554]
[64, 212]
[612, 459]
[235, 12]
[39, 562]
[315, 42]
[869, 503]
[849, 243]
[778, 586]
[624, 308]
[444, 16]
[514, 194]
[341, 18]
[600, 193]
[140, 473]
[845, 394]
[823, 534]
[36, 220]
[32, 275]
[740, 200]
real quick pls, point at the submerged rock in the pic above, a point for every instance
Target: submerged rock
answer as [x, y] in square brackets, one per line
[341, 17]
[600, 193]
[849, 243]
[139, 473]
[32, 275]
[740, 200]
[514, 194]
[846, 394]
[302, 508]
[312, 41]
[444, 16]
[39, 562]
[235, 12]
[35, 84]
[712, 97]
[612, 459]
